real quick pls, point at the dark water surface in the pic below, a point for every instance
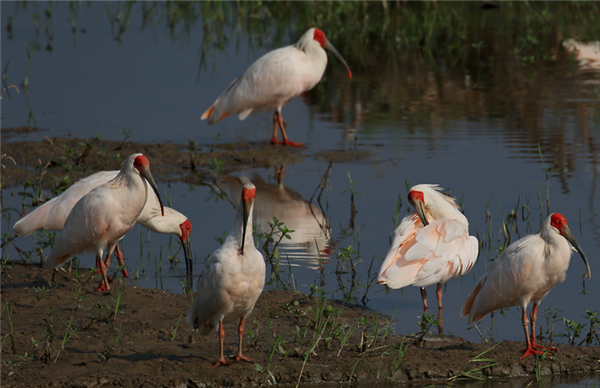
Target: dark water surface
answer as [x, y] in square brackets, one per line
[470, 119]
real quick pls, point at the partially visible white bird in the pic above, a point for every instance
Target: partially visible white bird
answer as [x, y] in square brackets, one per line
[231, 281]
[431, 245]
[53, 214]
[527, 270]
[101, 218]
[275, 79]
[586, 54]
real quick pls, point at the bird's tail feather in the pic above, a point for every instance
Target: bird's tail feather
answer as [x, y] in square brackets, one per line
[207, 113]
[466, 308]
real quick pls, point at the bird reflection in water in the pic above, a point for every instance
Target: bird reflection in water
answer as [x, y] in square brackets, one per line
[310, 242]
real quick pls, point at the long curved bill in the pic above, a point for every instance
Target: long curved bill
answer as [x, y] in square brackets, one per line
[330, 47]
[247, 206]
[567, 234]
[187, 253]
[148, 176]
[420, 207]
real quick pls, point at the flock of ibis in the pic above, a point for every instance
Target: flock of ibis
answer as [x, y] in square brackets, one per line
[430, 246]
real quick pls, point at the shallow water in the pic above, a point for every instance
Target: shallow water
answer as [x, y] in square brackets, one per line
[474, 130]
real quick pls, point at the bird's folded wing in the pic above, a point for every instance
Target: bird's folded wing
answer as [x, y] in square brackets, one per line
[504, 284]
[53, 214]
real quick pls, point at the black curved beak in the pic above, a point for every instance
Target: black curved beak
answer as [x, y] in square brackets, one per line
[148, 176]
[567, 234]
[247, 207]
[420, 207]
[187, 253]
[330, 47]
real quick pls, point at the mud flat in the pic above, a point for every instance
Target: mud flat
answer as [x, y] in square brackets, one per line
[58, 332]
[49, 161]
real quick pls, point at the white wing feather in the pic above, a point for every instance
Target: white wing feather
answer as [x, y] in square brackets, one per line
[53, 214]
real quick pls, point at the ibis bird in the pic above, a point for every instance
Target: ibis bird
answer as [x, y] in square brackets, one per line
[101, 218]
[431, 245]
[53, 214]
[231, 281]
[526, 271]
[275, 79]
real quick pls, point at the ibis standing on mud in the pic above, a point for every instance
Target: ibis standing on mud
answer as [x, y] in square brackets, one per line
[431, 245]
[527, 270]
[231, 281]
[101, 218]
[53, 214]
[275, 79]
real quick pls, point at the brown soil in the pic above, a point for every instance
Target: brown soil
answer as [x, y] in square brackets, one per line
[48, 162]
[157, 349]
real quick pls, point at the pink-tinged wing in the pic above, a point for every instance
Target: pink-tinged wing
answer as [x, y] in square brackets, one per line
[509, 282]
[53, 214]
[446, 250]
[270, 82]
[396, 271]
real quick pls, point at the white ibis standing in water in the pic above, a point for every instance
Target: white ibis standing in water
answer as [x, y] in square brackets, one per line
[231, 281]
[275, 79]
[53, 214]
[101, 218]
[431, 245]
[527, 270]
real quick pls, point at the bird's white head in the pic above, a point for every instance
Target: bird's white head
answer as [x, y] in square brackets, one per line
[559, 222]
[320, 37]
[142, 164]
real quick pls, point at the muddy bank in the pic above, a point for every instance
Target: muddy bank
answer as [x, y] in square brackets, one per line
[50, 161]
[60, 333]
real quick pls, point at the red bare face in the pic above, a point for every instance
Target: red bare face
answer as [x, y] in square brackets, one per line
[558, 221]
[186, 229]
[141, 163]
[320, 37]
[248, 194]
[415, 196]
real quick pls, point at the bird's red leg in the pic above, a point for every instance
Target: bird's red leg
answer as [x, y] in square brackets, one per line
[98, 266]
[529, 350]
[533, 319]
[222, 360]
[286, 141]
[104, 286]
[440, 324]
[101, 287]
[275, 124]
[239, 356]
[119, 255]
[424, 297]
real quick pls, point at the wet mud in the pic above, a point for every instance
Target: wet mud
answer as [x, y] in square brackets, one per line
[58, 332]
[50, 161]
